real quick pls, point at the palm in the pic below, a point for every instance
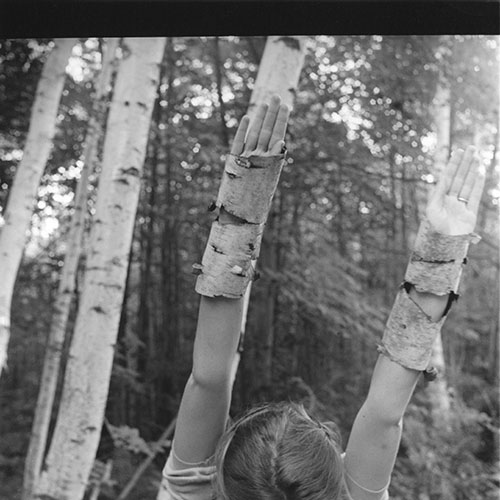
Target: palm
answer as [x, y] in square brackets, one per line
[462, 179]
[451, 217]
[264, 137]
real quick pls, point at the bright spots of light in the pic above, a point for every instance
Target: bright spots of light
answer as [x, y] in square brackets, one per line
[227, 95]
[12, 155]
[429, 178]
[363, 208]
[428, 142]
[92, 43]
[495, 194]
[333, 117]
[75, 66]
[201, 100]
[232, 122]
[42, 228]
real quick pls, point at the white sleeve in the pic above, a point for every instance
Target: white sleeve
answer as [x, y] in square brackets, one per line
[191, 483]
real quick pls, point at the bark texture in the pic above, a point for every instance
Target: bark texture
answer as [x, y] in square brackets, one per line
[22, 194]
[410, 334]
[437, 391]
[442, 114]
[67, 283]
[86, 383]
[437, 260]
[246, 192]
[279, 72]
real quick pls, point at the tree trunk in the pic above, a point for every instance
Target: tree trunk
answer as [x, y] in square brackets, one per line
[22, 194]
[279, 73]
[157, 447]
[222, 107]
[437, 391]
[442, 107]
[86, 383]
[67, 285]
[169, 284]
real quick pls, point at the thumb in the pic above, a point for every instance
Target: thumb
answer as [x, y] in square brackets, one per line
[277, 148]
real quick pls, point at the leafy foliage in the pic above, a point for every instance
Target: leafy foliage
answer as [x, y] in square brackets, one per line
[361, 144]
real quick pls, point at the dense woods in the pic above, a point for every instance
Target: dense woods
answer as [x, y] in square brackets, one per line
[374, 119]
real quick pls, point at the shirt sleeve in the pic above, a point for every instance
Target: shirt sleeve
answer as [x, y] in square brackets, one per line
[367, 494]
[191, 483]
[196, 483]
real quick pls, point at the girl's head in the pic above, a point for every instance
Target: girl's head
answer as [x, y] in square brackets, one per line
[278, 452]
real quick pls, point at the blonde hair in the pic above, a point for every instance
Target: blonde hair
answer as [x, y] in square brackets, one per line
[278, 452]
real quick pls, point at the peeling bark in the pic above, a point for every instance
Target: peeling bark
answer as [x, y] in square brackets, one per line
[67, 285]
[86, 383]
[222, 107]
[22, 194]
[279, 73]
[438, 390]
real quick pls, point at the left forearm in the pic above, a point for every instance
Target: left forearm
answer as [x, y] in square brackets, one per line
[392, 384]
[250, 176]
[216, 341]
[207, 395]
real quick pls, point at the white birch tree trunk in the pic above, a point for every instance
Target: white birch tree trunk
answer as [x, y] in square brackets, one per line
[279, 72]
[22, 194]
[438, 389]
[67, 282]
[86, 382]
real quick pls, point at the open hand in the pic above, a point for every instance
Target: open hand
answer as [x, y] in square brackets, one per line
[265, 136]
[453, 206]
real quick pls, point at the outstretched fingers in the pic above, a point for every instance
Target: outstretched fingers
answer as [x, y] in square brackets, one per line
[462, 172]
[279, 129]
[239, 138]
[447, 175]
[255, 128]
[265, 133]
[268, 123]
[470, 179]
[477, 190]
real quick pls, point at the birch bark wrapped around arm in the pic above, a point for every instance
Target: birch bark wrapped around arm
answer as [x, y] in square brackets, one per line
[416, 318]
[247, 188]
[204, 407]
[436, 263]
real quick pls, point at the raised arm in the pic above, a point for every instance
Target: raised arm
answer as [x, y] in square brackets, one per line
[430, 284]
[205, 403]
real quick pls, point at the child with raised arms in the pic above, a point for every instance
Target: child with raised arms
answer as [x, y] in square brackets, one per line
[277, 451]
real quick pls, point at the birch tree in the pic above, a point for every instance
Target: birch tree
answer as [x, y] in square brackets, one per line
[22, 194]
[67, 281]
[279, 73]
[438, 389]
[86, 383]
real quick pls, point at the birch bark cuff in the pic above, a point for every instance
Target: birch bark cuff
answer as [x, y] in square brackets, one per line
[246, 193]
[409, 334]
[437, 260]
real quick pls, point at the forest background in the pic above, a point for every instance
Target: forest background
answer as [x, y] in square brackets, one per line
[363, 140]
